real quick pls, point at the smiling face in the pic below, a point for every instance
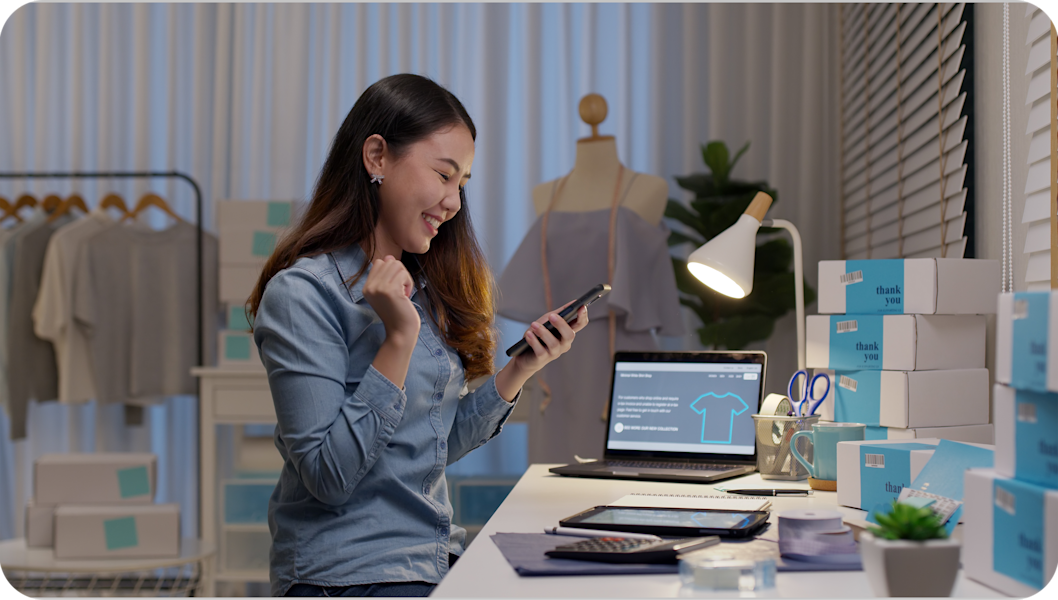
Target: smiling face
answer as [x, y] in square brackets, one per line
[420, 190]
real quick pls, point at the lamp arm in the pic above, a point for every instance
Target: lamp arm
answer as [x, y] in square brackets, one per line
[799, 283]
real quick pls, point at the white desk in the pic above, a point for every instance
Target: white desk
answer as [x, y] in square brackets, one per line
[540, 499]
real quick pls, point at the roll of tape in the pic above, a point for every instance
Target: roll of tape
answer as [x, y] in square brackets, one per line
[776, 404]
[814, 533]
[794, 524]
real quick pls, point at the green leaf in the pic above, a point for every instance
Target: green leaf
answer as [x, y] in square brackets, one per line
[716, 157]
[700, 184]
[676, 238]
[678, 212]
[738, 155]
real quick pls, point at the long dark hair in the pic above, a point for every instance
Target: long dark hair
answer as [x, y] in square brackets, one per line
[403, 109]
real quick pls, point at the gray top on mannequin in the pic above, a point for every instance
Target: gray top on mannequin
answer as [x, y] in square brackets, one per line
[589, 186]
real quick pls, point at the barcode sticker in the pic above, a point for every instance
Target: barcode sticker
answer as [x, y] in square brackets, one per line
[847, 326]
[1021, 309]
[1006, 501]
[1026, 412]
[875, 461]
[848, 383]
[851, 278]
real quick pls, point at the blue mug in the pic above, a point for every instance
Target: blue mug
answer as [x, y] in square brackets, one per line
[825, 438]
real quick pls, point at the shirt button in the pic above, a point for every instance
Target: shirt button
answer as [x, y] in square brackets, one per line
[437, 353]
[438, 396]
[442, 445]
[444, 531]
[427, 488]
[396, 406]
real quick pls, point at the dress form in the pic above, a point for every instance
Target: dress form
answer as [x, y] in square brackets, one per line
[589, 185]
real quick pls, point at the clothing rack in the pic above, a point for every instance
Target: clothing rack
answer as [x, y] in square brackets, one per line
[198, 235]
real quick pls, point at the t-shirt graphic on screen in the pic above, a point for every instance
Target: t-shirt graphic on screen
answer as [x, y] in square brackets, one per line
[718, 415]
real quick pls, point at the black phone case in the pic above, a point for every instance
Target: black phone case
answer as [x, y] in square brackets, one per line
[567, 314]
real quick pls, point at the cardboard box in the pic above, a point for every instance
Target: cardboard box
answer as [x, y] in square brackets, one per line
[262, 215]
[95, 478]
[1027, 435]
[1010, 533]
[970, 434]
[896, 342]
[943, 286]
[247, 247]
[906, 398]
[40, 525]
[235, 317]
[1024, 334]
[237, 349]
[872, 473]
[146, 531]
[237, 282]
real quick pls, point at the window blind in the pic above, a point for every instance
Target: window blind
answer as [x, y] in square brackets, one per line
[1038, 208]
[905, 130]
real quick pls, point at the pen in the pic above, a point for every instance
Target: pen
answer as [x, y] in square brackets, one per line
[779, 492]
[590, 533]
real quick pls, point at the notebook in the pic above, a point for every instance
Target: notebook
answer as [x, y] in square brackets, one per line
[680, 416]
[695, 501]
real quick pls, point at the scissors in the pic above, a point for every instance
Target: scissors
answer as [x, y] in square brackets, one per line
[808, 397]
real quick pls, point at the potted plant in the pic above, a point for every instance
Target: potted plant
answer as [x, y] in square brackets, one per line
[719, 200]
[909, 553]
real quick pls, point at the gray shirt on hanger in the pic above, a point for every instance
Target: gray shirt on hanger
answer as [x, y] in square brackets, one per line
[134, 298]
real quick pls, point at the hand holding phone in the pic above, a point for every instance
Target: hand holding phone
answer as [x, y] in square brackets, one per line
[568, 314]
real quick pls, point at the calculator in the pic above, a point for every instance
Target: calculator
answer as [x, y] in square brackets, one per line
[627, 550]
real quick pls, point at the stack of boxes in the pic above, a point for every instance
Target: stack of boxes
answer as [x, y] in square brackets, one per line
[100, 505]
[904, 344]
[1011, 536]
[248, 232]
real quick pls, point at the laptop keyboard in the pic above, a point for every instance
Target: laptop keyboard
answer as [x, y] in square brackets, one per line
[670, 465]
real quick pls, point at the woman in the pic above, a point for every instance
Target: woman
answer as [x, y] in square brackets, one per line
[371, 317]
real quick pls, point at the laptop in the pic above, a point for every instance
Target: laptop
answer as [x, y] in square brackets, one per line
[680, 416]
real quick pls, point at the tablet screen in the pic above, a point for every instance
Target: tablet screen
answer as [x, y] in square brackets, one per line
[670, 518]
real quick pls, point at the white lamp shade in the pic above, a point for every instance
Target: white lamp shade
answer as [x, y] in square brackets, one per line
[725, 263]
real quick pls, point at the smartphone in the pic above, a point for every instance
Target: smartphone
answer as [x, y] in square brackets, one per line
[680, 522]
[568, 314]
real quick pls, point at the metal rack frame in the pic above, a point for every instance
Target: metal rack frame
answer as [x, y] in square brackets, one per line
[198, 235]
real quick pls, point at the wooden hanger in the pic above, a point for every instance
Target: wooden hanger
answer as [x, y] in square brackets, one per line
[25, 200]
[115, 201]
[51, 203]
[7, 210]
[74, 201]
[155, 201]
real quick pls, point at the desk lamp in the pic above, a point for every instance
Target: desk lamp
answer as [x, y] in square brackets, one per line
[725, 263]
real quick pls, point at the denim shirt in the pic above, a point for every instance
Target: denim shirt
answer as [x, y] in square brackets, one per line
[362, 496]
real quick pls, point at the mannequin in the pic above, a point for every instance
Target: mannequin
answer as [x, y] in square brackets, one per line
[598, 224]
[588, 186]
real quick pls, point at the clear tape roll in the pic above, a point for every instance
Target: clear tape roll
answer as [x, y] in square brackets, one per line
[814, 533]
[775, 404]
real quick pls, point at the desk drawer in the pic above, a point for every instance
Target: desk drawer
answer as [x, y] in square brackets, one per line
[248, 402]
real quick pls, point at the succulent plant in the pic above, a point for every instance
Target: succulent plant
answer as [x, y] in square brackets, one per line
[907, 522]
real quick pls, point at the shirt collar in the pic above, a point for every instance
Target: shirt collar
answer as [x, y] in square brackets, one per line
[349, 260]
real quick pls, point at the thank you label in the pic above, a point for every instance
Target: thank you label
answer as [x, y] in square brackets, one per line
[1035, 442]
[880, 289]
[856, 347]
[1029, 352]
[1018, 531]
[858, 397]
[885, 470]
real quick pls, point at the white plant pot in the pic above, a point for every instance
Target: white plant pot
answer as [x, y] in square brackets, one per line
[909, 568]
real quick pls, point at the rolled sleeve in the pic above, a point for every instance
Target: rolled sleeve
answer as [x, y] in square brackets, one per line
[480, 418]
[332, 434]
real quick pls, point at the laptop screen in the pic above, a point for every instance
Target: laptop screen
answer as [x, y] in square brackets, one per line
[686, 404]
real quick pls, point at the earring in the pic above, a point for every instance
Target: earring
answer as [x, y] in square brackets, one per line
[377, 179]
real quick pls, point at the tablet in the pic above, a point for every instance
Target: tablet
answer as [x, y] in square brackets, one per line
[670, 521]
